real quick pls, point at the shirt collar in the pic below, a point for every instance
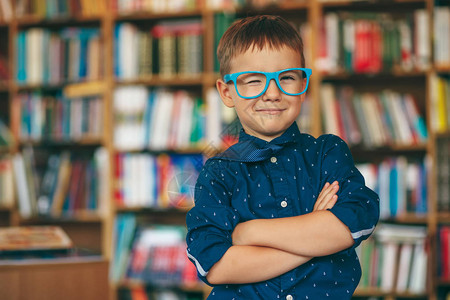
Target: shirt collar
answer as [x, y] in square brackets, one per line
[291, 134]
[252, 149]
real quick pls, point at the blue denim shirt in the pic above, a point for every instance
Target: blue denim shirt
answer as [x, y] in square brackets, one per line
[285, 181]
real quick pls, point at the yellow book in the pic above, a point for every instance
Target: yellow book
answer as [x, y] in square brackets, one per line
[441, 106]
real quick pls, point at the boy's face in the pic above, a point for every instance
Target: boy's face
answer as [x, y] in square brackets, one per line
[270, 114]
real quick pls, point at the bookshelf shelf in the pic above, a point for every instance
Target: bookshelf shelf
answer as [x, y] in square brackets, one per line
[191, 150]
[5, 209]
[4, 86]
[4, 150]
[344, 76]
[408, 218]
[443, 283]
[442, 69]
[132, 284]
[146, 16]
[152, 210]
[358, 4]
[87, 141]
[443, 217]
[188, 80]
[390, 149]
[60, 21]
[284, 8]
[373, 292]
[97, 87]
[77, 217]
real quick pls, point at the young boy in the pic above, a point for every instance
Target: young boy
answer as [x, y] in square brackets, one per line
[267, 221]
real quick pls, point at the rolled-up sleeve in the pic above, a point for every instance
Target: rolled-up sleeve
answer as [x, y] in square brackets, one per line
[211, 221]
[357, 206]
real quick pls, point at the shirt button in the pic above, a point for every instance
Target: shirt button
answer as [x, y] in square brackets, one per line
[289, 297]
[284, 204]
[273, 159]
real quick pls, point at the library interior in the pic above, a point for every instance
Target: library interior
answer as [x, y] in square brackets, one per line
[98, 167]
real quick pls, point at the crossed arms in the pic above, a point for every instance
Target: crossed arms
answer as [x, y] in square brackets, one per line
[257, 242]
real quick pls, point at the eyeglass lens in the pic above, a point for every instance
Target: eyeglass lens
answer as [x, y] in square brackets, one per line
[253, 84]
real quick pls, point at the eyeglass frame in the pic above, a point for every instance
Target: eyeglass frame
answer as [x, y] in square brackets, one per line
[269, 76]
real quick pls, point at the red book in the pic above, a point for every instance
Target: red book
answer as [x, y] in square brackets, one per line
[444, 249]
[377, 45]
[362, 46]
[138, 293]
[118, 176]
[164, 175]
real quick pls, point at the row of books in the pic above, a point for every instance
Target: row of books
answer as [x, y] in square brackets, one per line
[58, 56]
[161, 119]
[7, 192]
[62, 184]
[373, 120]
[374, 42]
[441, 28]
[443, 173]
[156, 181]
[54, 9]
[400, 184]
[56, 118]
[151, 254]
[154, 6]
[221, 23]
[443, 249]
[6, 11]
[170, 48]
[440, 103]
[157, 119]
[395, 259]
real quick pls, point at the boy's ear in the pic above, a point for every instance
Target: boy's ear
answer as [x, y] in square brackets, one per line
[224, 92]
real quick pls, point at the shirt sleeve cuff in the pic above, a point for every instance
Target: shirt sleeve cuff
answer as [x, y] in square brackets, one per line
[205, 260]
[350, 219]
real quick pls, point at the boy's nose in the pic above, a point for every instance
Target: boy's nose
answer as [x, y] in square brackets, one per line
[272, 93]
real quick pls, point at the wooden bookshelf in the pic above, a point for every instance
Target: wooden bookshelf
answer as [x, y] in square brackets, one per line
[98, 228]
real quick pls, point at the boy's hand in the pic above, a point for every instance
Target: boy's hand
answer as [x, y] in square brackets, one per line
[327, 197]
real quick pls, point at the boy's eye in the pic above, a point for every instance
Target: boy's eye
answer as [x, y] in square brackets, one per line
[285, 78]
[251, 79]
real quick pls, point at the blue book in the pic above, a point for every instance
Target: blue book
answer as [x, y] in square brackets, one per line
[393, 189]
[423, 203]
[147, 117]
[21, 58]
[116, 50]
[66, 117]
[84, 42]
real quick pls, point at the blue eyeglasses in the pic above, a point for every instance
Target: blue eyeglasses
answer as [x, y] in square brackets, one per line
[252, 84]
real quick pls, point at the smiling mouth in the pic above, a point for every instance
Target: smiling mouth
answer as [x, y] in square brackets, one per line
[270, 111]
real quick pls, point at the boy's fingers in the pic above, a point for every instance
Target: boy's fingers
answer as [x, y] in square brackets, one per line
[329, 203]
[329, 191]
[326, 196]
[324, 190]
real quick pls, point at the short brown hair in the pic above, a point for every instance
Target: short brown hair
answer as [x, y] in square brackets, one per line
[257, 32]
